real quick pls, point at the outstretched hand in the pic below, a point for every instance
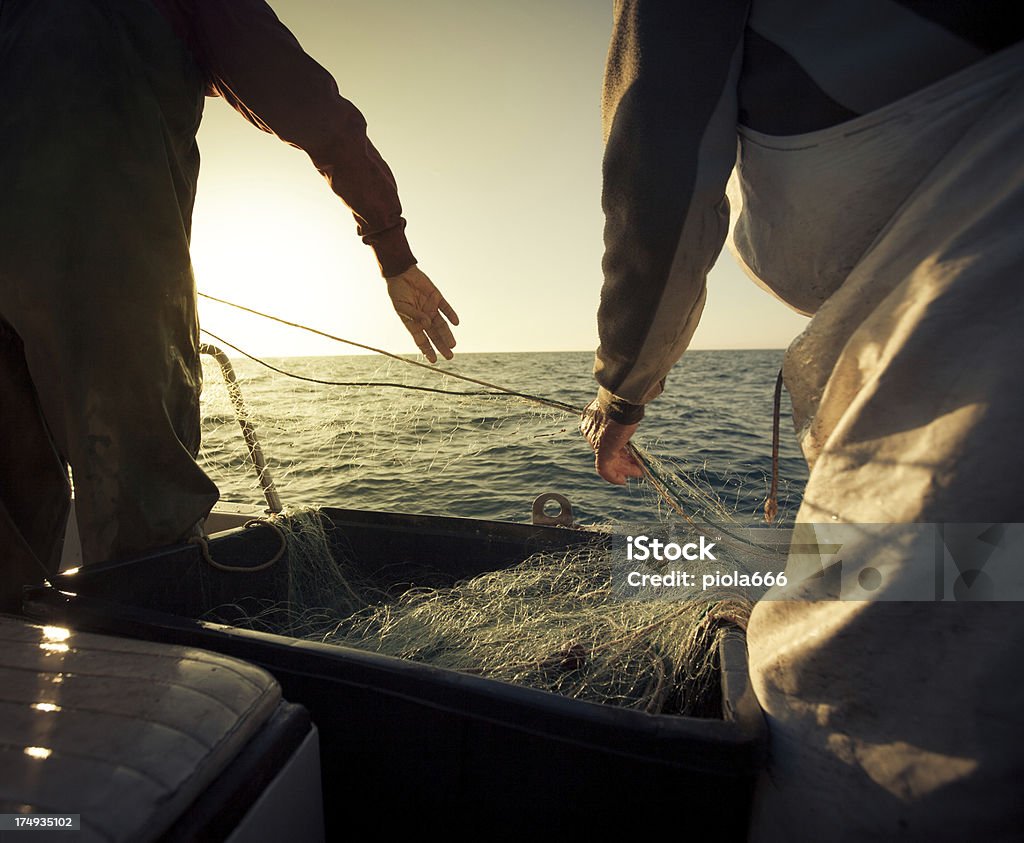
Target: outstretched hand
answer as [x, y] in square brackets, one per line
[609, 440]
[422, 310]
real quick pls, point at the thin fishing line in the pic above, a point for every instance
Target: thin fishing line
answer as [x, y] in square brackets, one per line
[298, 377]
[536, 399]
[771, 505]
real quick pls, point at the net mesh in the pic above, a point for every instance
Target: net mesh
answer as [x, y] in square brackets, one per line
[552, 622]
[481, 456]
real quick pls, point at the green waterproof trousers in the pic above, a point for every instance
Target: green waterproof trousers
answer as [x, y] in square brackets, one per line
[99, 367]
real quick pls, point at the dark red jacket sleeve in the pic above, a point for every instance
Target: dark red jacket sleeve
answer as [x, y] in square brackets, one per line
[255, 63]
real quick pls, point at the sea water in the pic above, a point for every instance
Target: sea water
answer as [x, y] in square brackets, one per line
[384, 448]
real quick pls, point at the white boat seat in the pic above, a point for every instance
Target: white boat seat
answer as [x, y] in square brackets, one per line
[125, 733]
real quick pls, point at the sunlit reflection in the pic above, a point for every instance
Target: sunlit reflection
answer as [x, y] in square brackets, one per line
[70, 572]
[39, 752]
[43, 706]
[54, 638]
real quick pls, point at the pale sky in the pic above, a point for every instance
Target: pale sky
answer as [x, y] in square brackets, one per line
[488, 112]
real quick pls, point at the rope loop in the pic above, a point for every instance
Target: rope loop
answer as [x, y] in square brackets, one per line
[204, 549]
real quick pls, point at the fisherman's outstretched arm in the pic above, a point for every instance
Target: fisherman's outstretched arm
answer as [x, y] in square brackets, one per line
[670, 144]
[256, 64]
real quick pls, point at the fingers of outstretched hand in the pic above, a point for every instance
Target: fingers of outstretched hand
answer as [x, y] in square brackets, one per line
[441, 335]
[433, 305]
[423, 310]
[419, 336]
[436, 334]
[448, 311]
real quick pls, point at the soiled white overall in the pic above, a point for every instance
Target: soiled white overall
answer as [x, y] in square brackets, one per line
[898, 719]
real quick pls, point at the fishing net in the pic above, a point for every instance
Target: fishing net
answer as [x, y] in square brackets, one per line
[554, 622]
[378, 435]
[395, 448]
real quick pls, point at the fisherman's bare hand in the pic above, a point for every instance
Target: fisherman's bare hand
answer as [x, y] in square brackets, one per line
[423, 310]
[609, 440]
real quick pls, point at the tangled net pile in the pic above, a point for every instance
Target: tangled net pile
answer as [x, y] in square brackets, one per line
[552, 622]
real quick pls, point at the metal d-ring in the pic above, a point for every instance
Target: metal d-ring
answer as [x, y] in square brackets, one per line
[541, 518]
